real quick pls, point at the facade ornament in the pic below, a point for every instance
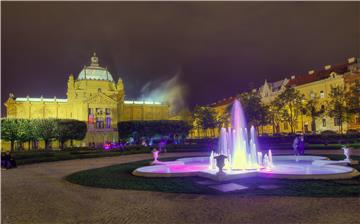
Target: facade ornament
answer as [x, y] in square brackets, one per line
[120, 85]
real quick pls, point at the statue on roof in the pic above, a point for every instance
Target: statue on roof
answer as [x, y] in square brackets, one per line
[120, 85]
[94, 60]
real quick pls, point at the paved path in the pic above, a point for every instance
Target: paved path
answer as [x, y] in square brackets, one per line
[38, 194]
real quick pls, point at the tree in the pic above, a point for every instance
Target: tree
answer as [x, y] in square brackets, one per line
[255, 111]
[205, 118]
[151, 128]
[274, 116]
[34, 134]
[24, 131]
[337, 108]
[9, 131]
[353, 99]
[288, 104]
[312, 109]
[47, 130]
[223, 120]
[69, 129]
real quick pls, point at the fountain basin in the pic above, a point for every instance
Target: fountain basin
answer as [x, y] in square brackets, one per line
[287, 167]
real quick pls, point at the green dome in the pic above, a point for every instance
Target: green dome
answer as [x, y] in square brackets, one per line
[94, 71]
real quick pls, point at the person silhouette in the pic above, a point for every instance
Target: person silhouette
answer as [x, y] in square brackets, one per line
[301, 145]
[296, 145]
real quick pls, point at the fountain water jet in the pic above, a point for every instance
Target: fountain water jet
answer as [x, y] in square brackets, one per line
[236, 145]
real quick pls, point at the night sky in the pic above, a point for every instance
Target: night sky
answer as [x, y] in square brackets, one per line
[219, 48]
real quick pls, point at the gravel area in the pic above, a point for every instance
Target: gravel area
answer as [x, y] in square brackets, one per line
[38, 194]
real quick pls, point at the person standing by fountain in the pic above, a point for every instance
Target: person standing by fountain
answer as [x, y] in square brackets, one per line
[295, 145]
[301, 145]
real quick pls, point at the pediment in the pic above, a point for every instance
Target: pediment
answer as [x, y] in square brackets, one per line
[100, 98]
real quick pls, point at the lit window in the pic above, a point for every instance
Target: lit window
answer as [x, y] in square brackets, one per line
[91, 116]
[322, 94]
[108, 118]
[108, 122]
[324, 122]
[312, 95]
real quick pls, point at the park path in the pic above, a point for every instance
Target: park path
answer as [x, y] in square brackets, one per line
[39, 194]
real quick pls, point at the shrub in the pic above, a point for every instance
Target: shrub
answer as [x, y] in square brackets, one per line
[328, 133]
[138, 129]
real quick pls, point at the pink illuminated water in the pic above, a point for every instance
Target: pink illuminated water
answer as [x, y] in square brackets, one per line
[175, 168]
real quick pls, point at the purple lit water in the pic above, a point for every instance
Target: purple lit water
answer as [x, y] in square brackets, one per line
[236, 144]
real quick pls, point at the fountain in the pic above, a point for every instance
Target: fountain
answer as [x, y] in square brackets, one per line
[236, 145]
[347, 154]
[237, 156]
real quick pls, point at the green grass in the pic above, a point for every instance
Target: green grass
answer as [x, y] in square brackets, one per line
[120, 177]
[29, 157]
[23, 158]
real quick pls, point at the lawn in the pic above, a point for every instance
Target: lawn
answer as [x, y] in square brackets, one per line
[38, 156]
[120, 177]
[29, 157]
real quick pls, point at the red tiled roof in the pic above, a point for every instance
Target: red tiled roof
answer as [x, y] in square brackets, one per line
[300, 80]
[319, 75]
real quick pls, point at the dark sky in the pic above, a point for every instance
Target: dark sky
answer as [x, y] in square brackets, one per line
[221, 48]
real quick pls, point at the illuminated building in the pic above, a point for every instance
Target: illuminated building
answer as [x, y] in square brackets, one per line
[314, 84]
[93, 97]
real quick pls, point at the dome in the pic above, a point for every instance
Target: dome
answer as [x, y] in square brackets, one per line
[94, 71]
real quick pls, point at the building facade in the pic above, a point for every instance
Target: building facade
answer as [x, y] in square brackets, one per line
[314, 84]
[93, 97]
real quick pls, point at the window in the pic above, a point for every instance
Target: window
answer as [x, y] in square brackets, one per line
[322, 94]
[108, 118]
[322, 108]
[357, 120]
[312, 95]
[337, 121]
[286, 126]
[324, 122]
[306, 128]
[108, 122]
[99, 111]
[99, 123]
[91, 116]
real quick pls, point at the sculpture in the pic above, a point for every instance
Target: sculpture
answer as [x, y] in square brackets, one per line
[155, 154]
[347, 154]
[220, 162]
